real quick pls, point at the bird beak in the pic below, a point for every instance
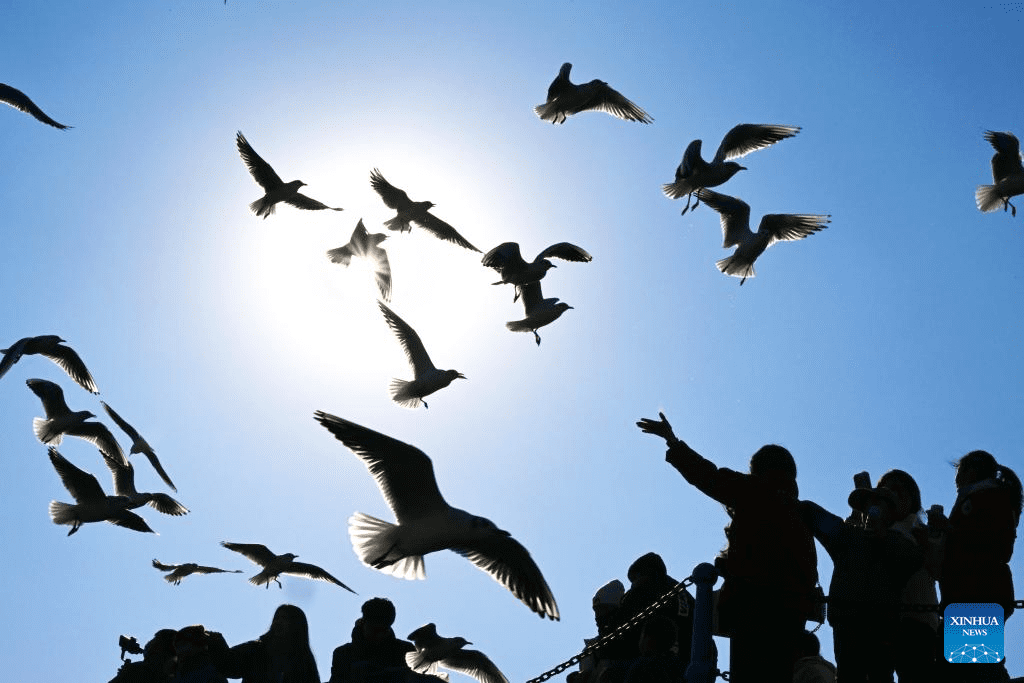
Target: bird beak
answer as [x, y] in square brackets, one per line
[743, 168]
[461, 376]
[554, 265]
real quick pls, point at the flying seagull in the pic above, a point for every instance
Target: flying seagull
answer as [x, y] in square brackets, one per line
[414, 212]
[139, 445]
[565, 98]
[20, 100]
[276, 189]
[426, 523]
[275, 565]
[60, 420]
[539, 311]
[1007, 174]
[426, 378]
[514, 270]
[774, 227]
[694, 173]
[124, 485]
[432, 651]
[365, 245]
[177, 572]
[91, 504]
[49, 346]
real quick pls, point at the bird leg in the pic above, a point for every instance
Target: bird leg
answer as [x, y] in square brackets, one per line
[536, 336]
[74, 528]
[743, 280]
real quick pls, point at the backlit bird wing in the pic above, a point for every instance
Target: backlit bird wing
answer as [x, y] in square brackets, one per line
[51, 395]
[749, 137]
[82, 486]
[255, 552]
[12, 355]
[475, 664]
[1006, 161]
[260, 170]
[393, 197]
[734, 214]
[414, 349]
[566, 251]
[100, 436]
[301, 201]
[442, 230]
[509, 563]
[124, 476]
[311, 571]
[164, 567]
[382, 271]
[71, 363]
[602, 97]
[21, 101]
[505, 255]
[789, 226]
[404, 473]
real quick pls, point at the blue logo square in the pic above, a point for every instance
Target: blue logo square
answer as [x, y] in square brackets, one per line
[972, 633]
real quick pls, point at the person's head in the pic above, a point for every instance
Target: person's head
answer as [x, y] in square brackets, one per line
[289, 625]
[378, 616]
[908, 494]
[189, 641]
[808, 645]
[775, 464]
[981, 465]
[647, 569]
[658, 635]
[608, 598]
[160, 647]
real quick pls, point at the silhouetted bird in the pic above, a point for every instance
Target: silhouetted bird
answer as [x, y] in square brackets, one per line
[774, 227]
[276, 189]
[275, 565]
[565, 98]
[426, 378]
[365, 245]
[91, 504]
[60, 421]
[426, 523]
[432, 651]
[49, 345]
[139, 445]
[413, 212]
[539, 311]
[694, 173]
[21, 101]
[124, 485]
[177, 572]
[506, 259]
[1007, 173]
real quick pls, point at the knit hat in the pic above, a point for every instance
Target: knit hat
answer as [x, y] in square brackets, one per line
[610, 594]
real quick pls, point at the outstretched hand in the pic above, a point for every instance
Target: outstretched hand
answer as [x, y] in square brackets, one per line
[658, 427]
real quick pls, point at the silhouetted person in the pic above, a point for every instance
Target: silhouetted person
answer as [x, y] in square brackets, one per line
[154, 667]
[649, 580]
[871, 566]
[607, 617]
[658, 661]
[979, 535]
[769, 567]
[374, 654]
[811, 667]
[917, 639]
[281, 655]
[197, 656]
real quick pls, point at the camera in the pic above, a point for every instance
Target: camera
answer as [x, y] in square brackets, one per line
[130, 645]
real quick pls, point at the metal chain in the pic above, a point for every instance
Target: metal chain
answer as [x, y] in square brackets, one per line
[618, 632]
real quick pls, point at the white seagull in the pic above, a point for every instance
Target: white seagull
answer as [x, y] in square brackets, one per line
[566, 98]
[1007, 174]
[414, 212]
[124, 485]
[276, 189]
[177, 572]
[275, 565]
[432, 651]
[60, 420]
[694, 173]
[514, 270]
[426, 378]
[774, 227]
[49, 346]
[91, 504]
[365, 245]
[539, 311]
[139, 445]
[426, 523]
[21, 101]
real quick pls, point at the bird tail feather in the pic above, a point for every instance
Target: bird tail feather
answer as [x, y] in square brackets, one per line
[342, 255]
[549, 112]
[374, 543]
[44, 432]
[62, 513]
[735, 268]
[261, 207]
[401, 393]
[988, 198]
[397, 223]
[524, 325]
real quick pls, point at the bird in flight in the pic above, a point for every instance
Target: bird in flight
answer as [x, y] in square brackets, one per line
[566, 98]
[1007, 174]
[60, 421]
[275, 565]
[276, 189]
[414, 212]
[22, 102]
[139, 445]
[433, 651]
[426, 523]
[539, 311]
[91, 504]
[514, 270]
[124, 485]
[426, 378]
[49, 346]
[365, 245]
[177, 572]
[774, 227]
[694, 173]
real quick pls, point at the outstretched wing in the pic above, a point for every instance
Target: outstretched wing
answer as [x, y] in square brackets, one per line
[510, 564]
[301, 201]
[566, 251]
[255, 552]
[21, 102]
[311, 571]
[71, 363]
[475, 664]
[442, 230]
[734, 214]
[791, 226]
[749, 137]
[393, 197]
[80, 484]
[505, 255]
[414, 350]
[260, 170]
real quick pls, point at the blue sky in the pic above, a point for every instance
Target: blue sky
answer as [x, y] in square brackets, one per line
[890, 339]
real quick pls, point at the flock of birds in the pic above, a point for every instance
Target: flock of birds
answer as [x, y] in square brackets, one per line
[424, 521]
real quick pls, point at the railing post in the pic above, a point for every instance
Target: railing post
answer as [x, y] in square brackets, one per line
[703, 668]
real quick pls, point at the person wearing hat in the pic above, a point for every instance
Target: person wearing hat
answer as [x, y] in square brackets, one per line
[374, 652]
[871, 565]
